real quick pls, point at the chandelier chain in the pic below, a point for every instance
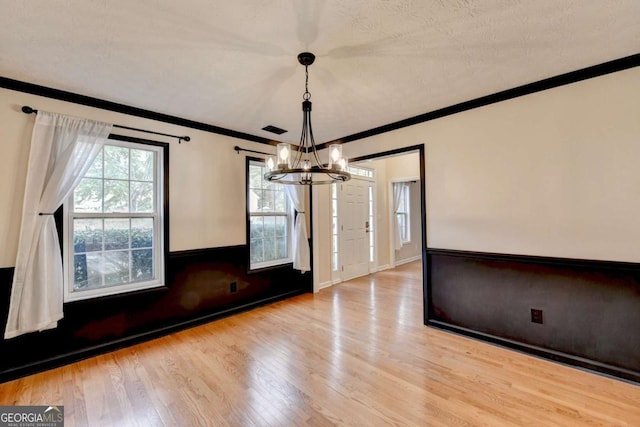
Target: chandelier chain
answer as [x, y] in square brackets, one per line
[306, 95]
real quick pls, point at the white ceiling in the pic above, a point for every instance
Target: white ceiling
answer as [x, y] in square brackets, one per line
[233, 63]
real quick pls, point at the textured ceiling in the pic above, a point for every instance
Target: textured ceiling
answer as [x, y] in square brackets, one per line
[233, 64]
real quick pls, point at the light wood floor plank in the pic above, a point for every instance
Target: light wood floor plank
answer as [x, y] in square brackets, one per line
[353, 354]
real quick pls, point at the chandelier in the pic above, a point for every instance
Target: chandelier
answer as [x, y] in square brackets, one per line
[302, 166]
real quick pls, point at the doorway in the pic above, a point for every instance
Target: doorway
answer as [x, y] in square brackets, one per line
[355, 213]
[329, 252]
[396, 226]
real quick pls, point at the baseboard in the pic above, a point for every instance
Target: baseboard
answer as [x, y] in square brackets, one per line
[407, 260]
[555, 356]
[384, 267]
[325, 285]
[106, 347]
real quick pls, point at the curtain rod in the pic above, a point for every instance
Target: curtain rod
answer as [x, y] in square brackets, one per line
[239, 149]
[28, 110]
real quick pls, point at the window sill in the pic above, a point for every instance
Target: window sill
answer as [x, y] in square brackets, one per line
[262, 269]
[139, 293]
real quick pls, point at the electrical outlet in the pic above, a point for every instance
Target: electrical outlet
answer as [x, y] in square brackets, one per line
[536, 315]
[233, 287]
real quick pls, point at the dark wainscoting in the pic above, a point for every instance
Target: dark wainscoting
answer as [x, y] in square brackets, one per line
[591, 309]
[198, 291]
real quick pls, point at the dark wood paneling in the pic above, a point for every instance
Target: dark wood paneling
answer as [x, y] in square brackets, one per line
[591, 309]
[198, 290]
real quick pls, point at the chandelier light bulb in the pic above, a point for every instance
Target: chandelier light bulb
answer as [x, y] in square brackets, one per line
[284, 155]
[335, 154]
[270, 163]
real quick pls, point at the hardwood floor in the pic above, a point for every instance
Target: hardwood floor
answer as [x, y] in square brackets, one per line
[354, 354]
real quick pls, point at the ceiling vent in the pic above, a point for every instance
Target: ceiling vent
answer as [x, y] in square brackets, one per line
[274, 129]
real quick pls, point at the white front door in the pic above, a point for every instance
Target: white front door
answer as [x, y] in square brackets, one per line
[354, 228]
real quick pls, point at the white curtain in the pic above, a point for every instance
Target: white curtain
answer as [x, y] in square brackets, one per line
[62, 149]
[398, 188]
[300, 246]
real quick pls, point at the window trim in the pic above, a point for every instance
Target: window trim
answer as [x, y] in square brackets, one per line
[290, 215]
[161, 233]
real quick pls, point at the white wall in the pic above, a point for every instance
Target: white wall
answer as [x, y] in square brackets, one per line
[554, 173]
[321, 236]
[207, 177]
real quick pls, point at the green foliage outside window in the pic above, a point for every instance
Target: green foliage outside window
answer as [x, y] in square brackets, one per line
[269, 219]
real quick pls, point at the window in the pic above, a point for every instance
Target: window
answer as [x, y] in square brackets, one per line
[270, 220]
[358, 171]
[403, 213]
[114, 223]
[372, 240]
[334, 228]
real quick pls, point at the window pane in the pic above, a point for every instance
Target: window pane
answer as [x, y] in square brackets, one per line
[253, 200]
[141, 196]
[116, 234]
[116, 268]
[281, 247]
[256, 250]
[267, 201]
[280, 201]
[142, 268]
[255, 176]
[281, 226]
[256, 230]
[268, 185]
[87, 271]
[116, 162]
[269, 226]
[270, 249]
[116, 196]
[87, 235]
[87, 197]
[95, 171]
[142, 232]
[142, 165]
[334, 263]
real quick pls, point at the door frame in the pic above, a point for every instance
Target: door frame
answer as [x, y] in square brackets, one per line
[420, 148]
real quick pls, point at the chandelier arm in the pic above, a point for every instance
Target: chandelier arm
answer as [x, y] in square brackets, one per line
[313, 144]
[303, 142]
[298, 157]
